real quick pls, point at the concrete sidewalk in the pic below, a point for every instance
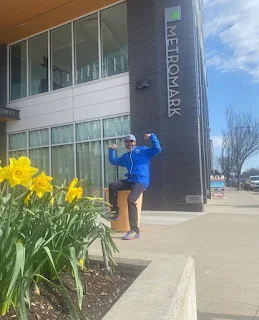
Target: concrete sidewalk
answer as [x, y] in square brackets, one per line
[225, 246]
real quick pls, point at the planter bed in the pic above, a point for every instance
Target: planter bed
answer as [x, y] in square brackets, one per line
[159, 289]
[102, 291]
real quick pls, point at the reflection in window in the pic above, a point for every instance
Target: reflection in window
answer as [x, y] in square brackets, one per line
[18, 141]
[113, 173]
[88, 131]
[39, 138]
[63, 163]
[113, 51]
[38, 62]
[86, 139]
[89, 164]
[119, 126]
[18, 71]
[61, 57]
[110, 171]
[40, 159]
[114, 32]
[63, 134]
[120, 151]
[86, 49]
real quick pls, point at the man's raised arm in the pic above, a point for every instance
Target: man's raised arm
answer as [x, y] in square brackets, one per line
[156, 149]
[112, 156]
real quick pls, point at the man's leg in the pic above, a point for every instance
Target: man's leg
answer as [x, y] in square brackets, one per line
[136, 190]
[114, 187]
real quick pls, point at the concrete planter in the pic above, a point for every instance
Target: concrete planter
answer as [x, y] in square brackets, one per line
[164, 289]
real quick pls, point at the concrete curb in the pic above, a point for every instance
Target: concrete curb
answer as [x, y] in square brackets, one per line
[165, 289]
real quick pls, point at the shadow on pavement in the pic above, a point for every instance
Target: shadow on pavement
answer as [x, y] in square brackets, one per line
[233, 206]
[219, 316]
[247, 206]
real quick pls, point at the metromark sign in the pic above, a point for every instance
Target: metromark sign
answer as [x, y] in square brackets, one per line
[9, 113]
[172, 16]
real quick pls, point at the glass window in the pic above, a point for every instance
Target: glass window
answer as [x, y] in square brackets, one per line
[89, 164]
[18, 153]
[18, 71]
[121, 149]
[114, 36]
[113, 173]
[61, 57]
[39, 138]
[40, 159]
[119, 126]
[63, 163]
[86, 49]
[38, 64]
[110, 171]
[63, 134]
[88, 131]
[18, 141]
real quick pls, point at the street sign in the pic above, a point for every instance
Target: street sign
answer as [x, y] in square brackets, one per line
[8, 113]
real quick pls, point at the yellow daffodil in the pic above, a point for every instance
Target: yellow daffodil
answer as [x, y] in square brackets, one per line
[73, 192]
[81, 261]
[19, 172]
[41, 184]
[28, 198]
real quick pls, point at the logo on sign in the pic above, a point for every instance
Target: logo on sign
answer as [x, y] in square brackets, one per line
[172, 56]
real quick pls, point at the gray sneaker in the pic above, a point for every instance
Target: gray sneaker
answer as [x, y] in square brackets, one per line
[131, 235]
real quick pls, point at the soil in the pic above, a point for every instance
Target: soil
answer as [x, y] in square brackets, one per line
[102, 291]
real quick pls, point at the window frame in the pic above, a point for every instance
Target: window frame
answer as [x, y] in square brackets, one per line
[102, 139]
[71, 22]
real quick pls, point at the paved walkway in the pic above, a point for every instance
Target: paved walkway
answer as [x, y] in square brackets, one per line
[225, 246]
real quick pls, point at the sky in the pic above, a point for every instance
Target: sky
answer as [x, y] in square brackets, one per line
[231, 29]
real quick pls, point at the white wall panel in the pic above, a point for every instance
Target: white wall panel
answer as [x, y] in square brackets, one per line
[106, 109]
[51, 119]
[23, 113]
[102, 98]
[19, 104]
[50, 96]
[13, 126]
[50, 107]
[101, 84]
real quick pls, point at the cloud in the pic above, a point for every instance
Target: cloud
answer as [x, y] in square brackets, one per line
[217, 141]
[232, 26]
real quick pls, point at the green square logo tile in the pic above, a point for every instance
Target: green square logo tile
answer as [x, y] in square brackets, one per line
[175, 15]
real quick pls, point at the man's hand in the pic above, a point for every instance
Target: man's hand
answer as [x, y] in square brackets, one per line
[147, 136]
[113, 147]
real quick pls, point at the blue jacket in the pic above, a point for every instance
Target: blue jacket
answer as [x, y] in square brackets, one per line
[137, 161]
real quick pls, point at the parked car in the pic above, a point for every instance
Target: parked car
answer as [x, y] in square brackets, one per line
[254, 182]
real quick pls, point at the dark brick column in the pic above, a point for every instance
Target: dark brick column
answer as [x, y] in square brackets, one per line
[176, 172]
[3, 143]
[3, 74]
[3, 99]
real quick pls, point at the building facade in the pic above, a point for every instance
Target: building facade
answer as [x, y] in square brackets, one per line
[77, 76]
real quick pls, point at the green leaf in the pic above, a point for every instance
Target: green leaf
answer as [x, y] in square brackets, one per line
[19, 266]
[79, 287]
[71, 307]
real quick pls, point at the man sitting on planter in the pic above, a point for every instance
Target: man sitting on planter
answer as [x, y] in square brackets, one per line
[136, 160]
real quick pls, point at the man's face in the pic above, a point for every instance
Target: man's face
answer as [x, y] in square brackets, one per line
[130, 144]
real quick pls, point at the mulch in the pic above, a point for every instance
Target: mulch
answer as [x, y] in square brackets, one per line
[102, 291]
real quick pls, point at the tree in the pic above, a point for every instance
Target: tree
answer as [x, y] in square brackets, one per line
[242, 137]
[250, 172]
[225, 161]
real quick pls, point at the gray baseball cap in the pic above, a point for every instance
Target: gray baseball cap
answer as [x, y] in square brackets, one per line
[130, 137]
